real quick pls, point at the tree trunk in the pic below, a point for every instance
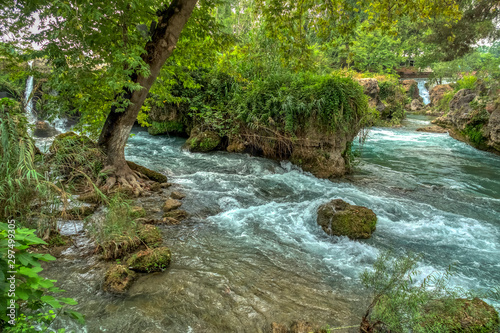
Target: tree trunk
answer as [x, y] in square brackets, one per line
[116, 130]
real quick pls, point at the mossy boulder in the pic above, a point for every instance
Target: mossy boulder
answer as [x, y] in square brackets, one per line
[339, 218]
[151, 174]
[462, 315]
[137, 211]
[118, 279]
[150, 260]
[202, 141]
[150, 235]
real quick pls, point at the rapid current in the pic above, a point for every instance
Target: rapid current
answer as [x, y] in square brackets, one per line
[252, 253]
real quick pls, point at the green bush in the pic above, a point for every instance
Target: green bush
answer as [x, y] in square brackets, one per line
[34, 305]
[20, 180]
[466, 82]
[400, 304]
[286, 102]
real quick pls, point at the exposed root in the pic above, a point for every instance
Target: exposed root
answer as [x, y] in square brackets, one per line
[126, 179]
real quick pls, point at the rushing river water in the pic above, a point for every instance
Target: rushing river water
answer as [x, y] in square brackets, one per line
[252, 252]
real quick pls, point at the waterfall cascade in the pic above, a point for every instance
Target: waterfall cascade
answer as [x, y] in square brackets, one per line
[29, 99]
[423, 91]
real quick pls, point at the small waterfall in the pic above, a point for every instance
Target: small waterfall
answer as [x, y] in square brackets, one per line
[29, 100]
[424, 93]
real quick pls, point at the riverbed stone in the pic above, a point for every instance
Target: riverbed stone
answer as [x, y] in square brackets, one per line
[339, 218]
[171, 204]
[150, 260]
[416, 105]
[177, 214]
[118, 279]
[177, 195]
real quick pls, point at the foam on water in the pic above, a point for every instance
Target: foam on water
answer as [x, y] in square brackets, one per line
[253, 235]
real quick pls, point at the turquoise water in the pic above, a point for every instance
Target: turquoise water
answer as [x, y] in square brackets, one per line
[252, 252]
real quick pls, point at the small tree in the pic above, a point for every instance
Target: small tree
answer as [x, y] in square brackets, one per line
[401, 304]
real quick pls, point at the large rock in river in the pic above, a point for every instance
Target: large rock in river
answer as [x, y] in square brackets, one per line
[411, 88]
[372, 90]
[339, 218]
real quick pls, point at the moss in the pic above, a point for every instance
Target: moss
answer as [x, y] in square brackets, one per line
[166, 127]
[150, 260]
[339, 218]
[137, 212]
[203, 142]
[150, 235]
[118, 279]
[151, 174]
[475, 134]
[461, 315]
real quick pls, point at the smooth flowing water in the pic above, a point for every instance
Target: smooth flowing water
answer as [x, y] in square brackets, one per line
[252, 252]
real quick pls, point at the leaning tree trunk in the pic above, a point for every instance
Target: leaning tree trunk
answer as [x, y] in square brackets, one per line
[117, 127]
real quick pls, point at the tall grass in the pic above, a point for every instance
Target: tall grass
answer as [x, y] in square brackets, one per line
[20, 182]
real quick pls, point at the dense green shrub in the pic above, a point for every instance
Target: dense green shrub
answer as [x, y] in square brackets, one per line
[33, 303]
[20, 181]
[286, 102]
[466, 82]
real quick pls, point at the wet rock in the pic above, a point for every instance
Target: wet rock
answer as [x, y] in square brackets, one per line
[171, 204]
[177, 214]
[118, 279]
[151, 174]
[463, 315]
[150, 235]
[339, 218]
[177, 195]
[150, 260]
[432, 129]
[44, 130]
[437, 93]
[202, 141]
[411, 89]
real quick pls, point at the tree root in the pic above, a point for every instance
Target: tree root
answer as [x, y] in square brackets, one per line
[131, 181]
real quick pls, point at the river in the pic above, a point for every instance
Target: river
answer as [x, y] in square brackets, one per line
[252, 252]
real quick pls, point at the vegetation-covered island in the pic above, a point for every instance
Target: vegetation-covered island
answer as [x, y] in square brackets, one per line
[250, 166]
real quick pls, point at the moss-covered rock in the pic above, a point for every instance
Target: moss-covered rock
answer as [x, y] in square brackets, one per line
[151, 174]
[177, 214]
[118, 279]
[204, 141]
[150, 260]
[339, 218]
[150, 235]
[137, 211]
[462, 315]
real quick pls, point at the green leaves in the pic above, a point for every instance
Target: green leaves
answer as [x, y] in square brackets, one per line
[30, 291]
